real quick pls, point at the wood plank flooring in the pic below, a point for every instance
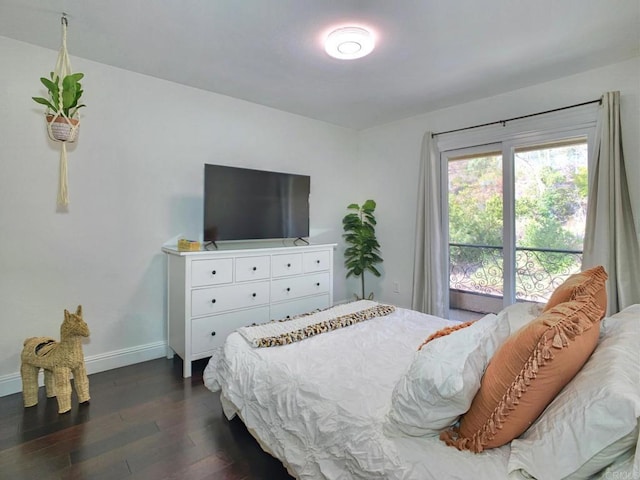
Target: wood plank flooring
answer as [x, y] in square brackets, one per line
[143, 422]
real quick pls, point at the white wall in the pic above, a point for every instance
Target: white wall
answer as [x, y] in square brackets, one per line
[135, 181]
[390, 154]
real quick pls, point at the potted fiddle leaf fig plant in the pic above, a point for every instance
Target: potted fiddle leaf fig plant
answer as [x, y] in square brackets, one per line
[62, 104]
[363, 252]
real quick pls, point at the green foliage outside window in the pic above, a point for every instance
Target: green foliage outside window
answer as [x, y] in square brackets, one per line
[550, 206]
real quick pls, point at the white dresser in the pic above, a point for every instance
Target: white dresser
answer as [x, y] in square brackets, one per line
[211, 293]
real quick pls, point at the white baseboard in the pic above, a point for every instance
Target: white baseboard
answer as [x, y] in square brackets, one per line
[12, 383]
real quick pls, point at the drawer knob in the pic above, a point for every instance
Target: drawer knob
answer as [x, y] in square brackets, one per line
[288, 289]
[253, 295]
[213, 301]
[213, 334]
[255, 268]
[318, 262]
[318, 284]
[213, 272]
[288, 265]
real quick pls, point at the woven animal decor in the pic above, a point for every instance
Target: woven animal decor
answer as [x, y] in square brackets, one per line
[59, 360]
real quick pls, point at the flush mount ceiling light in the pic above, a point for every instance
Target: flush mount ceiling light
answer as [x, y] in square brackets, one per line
[348, 43]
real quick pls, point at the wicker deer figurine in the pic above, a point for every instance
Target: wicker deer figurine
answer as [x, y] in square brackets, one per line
[58, 359]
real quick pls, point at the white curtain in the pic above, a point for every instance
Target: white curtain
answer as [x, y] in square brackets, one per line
[611, 238]
[430, 278]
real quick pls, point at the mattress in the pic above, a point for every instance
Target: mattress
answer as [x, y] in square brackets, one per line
[320, 405]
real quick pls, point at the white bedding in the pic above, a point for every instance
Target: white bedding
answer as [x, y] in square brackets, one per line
[320, 405]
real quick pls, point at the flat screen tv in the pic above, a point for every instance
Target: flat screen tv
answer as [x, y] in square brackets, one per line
[246, 204]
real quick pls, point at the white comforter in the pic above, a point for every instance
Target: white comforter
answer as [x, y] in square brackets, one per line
[320, 405]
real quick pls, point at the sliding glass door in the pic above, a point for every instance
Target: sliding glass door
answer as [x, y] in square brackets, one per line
[515, 218]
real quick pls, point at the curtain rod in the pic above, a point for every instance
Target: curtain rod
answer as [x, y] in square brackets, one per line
[503, 122]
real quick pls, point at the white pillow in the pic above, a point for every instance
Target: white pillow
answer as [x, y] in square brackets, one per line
[521, 313]
[443, 378]
[579, 432]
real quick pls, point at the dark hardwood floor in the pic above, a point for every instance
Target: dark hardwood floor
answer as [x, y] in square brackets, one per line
[143, 422]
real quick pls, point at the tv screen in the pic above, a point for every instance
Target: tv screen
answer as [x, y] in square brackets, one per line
[246, 204]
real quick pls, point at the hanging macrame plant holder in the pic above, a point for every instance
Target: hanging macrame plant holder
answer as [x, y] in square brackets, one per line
[62, 128]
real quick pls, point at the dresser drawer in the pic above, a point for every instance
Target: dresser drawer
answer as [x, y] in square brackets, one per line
[212, 300]
[211, 272]
[283, 265]
[252, 268]
[208, 333]
[296, 307]
[301, 286]
[316, 261]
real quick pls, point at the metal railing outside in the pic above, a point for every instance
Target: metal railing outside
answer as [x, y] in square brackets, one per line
[479, 269]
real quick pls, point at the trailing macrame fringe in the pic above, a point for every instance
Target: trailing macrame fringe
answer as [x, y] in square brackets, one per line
[574, 323]
[63, 191]
[446, 331]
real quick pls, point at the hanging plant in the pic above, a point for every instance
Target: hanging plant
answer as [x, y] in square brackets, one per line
[363, 252]
[63, 104]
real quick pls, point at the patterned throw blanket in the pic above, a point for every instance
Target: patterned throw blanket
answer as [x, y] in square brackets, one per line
[287, 331]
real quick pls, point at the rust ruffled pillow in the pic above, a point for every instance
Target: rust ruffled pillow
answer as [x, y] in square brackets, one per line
[526, 373]
[443, 332]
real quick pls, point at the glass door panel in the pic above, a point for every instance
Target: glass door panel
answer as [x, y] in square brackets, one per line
[550, 213]
[475, 214]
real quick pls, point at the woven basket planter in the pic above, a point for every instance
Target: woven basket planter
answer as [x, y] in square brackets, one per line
[60, 128]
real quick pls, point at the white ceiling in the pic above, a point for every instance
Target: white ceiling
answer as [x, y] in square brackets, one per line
[430, 54]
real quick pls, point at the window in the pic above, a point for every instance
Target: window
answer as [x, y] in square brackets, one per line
[550, 215]
[515, 215]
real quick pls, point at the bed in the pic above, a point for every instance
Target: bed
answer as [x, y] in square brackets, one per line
[329, 405]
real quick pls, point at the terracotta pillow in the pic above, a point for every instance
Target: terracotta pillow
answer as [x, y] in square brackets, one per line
[526, 373]
[590, 282]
